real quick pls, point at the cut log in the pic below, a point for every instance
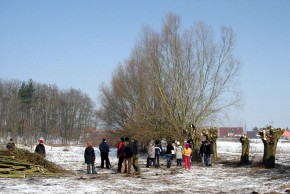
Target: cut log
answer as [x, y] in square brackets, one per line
[20, 168]
[5, 165]
[4, 171]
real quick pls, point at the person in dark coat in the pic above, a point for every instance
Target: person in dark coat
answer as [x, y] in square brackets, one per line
[205, 151]
[169, 153]
[40, 148]
[120, 153]
[127, 155]
[10, 144]
[157, 153]
[90, 159]
[135, 150]
[105, 149]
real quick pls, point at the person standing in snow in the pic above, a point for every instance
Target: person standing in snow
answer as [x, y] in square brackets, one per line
[169, 149]
[151, 154]
[40, 148]
[120, 154]
[186, 155]
[127, 156]
[135, 150]
[105, 149]
[90, 158]
[178, 152]
[206, 151]
[157, 153]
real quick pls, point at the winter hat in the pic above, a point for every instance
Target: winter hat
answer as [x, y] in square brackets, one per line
[127, 139]
[178, 143]
[40, 141]
[187, 146]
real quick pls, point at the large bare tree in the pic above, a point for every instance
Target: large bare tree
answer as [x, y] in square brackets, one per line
[172, 79]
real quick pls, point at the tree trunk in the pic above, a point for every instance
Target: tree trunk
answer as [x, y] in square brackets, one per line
[245, 150]
[270, 137]
[212, 134]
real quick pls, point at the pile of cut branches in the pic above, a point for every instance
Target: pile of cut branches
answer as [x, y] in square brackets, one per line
[16, 163]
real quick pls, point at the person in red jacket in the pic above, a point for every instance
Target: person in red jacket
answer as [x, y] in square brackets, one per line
[120, 154]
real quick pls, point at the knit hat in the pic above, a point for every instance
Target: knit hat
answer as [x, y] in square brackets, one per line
[40, 141]
[187, 146]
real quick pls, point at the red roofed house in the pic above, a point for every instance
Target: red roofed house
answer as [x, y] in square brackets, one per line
[286, 134]
[230, 132]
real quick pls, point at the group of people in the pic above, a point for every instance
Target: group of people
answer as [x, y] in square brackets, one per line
[178, 152]
[39, 149]
[128, 155]
[90, 156]
[172, 151]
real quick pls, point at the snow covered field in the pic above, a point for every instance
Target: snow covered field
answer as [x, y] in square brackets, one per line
[223, 177]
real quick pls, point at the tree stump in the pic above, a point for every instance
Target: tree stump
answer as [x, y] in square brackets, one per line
[245, 150]
[270, 137]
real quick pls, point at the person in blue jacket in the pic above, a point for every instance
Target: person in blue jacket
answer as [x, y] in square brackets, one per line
[105, 149]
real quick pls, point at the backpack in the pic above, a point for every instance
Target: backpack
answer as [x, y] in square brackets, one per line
[127, 152]
[207, 148]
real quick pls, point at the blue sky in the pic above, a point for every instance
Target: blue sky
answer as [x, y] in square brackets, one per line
[78, 44]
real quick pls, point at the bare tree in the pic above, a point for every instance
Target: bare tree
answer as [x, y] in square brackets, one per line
[171, 80]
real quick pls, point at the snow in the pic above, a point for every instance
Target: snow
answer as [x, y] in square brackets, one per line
[222, 177]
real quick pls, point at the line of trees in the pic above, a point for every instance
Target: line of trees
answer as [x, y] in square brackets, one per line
[31, 110]
[172, 79]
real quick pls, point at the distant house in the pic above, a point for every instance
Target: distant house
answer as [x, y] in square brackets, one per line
[286, 134]
[225, 132]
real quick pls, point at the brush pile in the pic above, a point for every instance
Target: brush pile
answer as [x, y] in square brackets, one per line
[20, 163]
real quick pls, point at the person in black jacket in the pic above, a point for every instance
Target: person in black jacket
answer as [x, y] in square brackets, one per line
[40, 148]
[169, 149]
[104, 149]
[90, 158]
[10, 144]
[135, 151]
[206, 151]
[127, 156]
